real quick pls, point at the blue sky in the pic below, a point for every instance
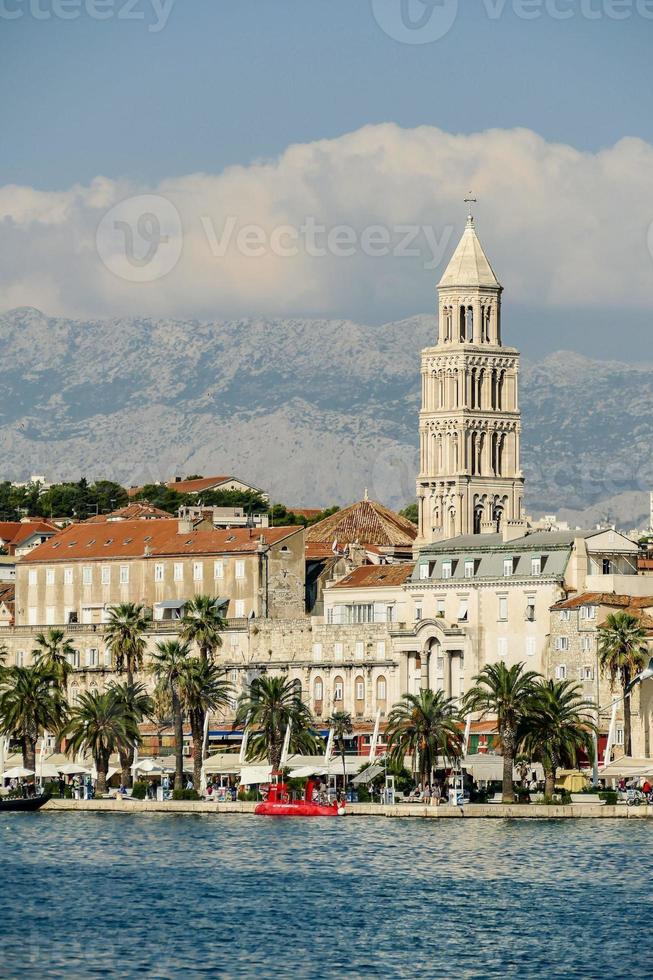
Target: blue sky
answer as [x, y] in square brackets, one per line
[227, 82]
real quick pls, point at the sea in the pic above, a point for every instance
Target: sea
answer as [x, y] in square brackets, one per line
[184, 895]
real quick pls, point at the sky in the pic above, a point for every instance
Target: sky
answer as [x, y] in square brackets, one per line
[180, 119]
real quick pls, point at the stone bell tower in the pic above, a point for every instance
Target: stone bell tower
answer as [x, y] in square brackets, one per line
[469, 481]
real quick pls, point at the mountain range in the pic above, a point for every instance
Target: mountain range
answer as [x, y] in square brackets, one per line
[314, 411]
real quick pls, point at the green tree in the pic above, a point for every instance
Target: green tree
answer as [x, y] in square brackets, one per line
[623, 653]
[136, 705]
[54, 653]
[98, 724]
[123, 636]
[31, 703]
[341, 725]
[410, 513]
[168, 666]
[424, 726]
[557, 728]
[203, 689]
[202, 624]
[505, 694]
[268, 707]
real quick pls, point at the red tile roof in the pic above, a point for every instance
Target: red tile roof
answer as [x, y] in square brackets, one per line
[376, 576]
[8, 530]
[194, 486]
[130, 539]
[603, 599]
[140, 510]
[366, 522]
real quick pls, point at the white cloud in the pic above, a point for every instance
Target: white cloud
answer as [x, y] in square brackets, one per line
[563, 229]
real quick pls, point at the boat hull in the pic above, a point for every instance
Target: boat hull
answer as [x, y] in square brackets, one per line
[26, 805]
[299, 808]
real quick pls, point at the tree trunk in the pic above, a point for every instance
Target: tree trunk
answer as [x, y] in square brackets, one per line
[101, 764]
[508, 792]
[197, 732]
[628, 747]
[275, 754]
[179, 740]
[29, 753]
[204, 653]
[549, 782]
[126, 762]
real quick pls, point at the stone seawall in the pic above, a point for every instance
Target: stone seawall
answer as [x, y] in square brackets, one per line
[495, 811]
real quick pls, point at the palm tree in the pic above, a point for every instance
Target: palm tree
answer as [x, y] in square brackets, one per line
[622, 655]
[269, 706]
[558, 727]
[203, 688]
[203, 624]
[505, 694]
[341, 725]
[30, 703]
[54, 653]
[168, 666]
[424, 726]
[98, 724]
[124, 639]
[136, 705]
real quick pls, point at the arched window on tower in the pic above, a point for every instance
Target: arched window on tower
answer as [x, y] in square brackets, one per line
[462, 325]
[469, 324]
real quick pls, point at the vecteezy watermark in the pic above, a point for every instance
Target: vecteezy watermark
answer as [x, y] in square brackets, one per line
[425, 21]
[141, 238]
[154, 13]
[317, 240]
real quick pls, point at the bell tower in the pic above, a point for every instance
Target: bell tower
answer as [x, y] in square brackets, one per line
[469, 481]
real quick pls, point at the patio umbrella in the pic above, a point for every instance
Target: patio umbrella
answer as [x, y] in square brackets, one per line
[72, 769]
[17, 772]
[150, 766]
[47, 771]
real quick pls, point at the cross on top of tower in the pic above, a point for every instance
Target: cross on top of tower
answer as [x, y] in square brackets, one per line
[469, 200]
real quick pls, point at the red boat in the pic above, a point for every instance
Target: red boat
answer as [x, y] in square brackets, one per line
[277, 803]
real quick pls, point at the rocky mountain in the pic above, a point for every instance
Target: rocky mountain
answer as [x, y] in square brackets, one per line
[314, 410]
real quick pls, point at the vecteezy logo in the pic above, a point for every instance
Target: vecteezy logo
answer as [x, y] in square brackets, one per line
[415, 21]
[140, 239]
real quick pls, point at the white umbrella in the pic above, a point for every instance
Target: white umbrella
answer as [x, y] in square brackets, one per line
[150, 766]
[47, 770]
[72, 769]
[18, 772]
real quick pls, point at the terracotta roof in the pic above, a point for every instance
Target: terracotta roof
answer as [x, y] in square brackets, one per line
[130, 539]
[8, 530]
[318, 550]
[376, 576]
[598, 599]
[140, 510]
[193, 486]
[7, 592]
[366, 522]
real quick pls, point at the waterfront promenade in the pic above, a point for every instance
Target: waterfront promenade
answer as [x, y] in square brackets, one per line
[494, 811]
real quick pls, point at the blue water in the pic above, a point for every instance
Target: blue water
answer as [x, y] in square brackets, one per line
[172, 896]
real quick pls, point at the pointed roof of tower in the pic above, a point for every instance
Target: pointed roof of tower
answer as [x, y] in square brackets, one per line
[469, 265]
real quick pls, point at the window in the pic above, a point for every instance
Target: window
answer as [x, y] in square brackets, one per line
[446, 569]
[20, 658]
[105, 575]
[178, 572]
[588, 612]
[240, 608]
[536, 566]
[124, 574]
[502, 647]
[87, 575]
[107, 658]
[561, 672]
[360, 689]
[418, 613]
[338, 651]
[562, 643]
[92, 657]
[565, 615]
[49, 616]
[508, 566]
[530, 608]
[587, 673]
[338, 689]
[439, 664]
[390, 614]
[424, 570]
[49, 576]
[618, 736]
[607, 566]
[31, 577]
[318, 689]
[67, 576]
[218, 569]
[586, 643]
[440, 608]
[380, 689]
[503, 608]
[463, 610]
[239, 570]
[158, 572]
[73, 659]
[198, 571]
[469, 568]
[380, 650]
[359, 649]
[317, 651]
[31, 615]
[531, 646]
